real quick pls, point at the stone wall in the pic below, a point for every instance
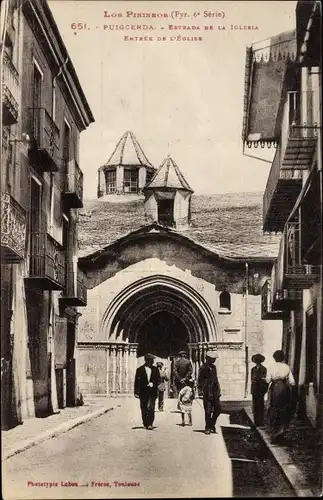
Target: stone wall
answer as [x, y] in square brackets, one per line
[231, 328]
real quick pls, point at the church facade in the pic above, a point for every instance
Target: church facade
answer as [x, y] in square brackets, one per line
[168, 273]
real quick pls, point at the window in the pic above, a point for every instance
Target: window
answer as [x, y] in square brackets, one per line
[166, 212]
[110, 181]
[225, 300]
[37, 90]
[66, 145]
[130, 181]
[149, 176]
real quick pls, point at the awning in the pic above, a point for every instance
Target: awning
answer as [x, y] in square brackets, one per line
[268, 63]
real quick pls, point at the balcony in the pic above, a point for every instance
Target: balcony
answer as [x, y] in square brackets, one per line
[44, 151]
[284, 300]
[293, 155]
[47, 263]
[75, 293]
[73, 191]
[267, 311]
[298, 274]
[13, 230]
[11, 91]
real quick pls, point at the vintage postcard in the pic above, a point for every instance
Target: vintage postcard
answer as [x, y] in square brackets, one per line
[161, 249]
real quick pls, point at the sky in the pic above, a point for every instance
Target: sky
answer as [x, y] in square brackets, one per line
[179, 97]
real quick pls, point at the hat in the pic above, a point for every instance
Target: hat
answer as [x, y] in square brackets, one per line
[212, 354]
[258, 358]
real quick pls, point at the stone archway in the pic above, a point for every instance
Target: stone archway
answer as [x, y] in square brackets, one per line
[157, 314]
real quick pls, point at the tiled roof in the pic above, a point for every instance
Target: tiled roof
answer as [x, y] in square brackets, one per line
[128, 152]
[168, 175]
[227, 224]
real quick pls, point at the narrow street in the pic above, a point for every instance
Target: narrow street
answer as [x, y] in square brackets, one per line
[169, 461]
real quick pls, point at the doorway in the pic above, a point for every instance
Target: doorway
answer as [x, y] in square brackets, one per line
[164, 335]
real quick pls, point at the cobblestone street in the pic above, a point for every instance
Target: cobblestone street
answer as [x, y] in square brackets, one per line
[115, 448]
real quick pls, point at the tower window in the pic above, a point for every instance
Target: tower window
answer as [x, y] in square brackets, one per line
[166, 212]
[149, 176]
[225, 300]
[110, 181]
[130, 180]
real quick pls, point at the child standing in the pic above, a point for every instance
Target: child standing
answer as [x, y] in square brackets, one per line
[185, 401]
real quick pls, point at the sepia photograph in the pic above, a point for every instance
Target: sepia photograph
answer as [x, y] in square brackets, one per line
[161, 249]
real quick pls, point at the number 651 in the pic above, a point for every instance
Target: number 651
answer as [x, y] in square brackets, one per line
[78, 26]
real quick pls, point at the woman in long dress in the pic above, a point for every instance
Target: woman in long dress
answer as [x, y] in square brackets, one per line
[281, 381]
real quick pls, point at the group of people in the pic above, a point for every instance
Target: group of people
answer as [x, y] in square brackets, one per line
[279, 382]
[150, 384]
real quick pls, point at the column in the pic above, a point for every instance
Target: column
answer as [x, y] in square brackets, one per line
[119, 369]
[204, 351]
[113, 358]
[119, 178]
[126, 368]
[141, 177]
[107, 352]
[132, 364]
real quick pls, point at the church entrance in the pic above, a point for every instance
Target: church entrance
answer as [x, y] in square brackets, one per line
[160, 315]
[163, 335]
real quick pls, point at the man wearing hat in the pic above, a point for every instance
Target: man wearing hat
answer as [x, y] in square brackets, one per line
[183, 370]
[209, 390]
[259, 388]
[146, 382]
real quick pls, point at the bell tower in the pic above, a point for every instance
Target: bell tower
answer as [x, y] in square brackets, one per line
[168, 197]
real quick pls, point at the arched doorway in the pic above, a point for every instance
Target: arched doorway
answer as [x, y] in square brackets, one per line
[162, 334]
[157, 314]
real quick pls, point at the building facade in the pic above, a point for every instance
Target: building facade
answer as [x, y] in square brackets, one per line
[161, 289]
[292, 203]
[44, 110]
[126, 172]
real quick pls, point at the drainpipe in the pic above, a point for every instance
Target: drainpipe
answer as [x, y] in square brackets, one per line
[246, 331]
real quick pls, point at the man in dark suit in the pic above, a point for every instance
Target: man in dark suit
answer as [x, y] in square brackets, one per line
[183, 370]
[147, 380]
[209, 390]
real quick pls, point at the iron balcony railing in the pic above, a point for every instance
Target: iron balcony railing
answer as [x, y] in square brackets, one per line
[282, 298]
[299, 128]
[73, 191]
[294, 153]
[267, 309]
[13, 229]
[298, 273]
[45, 134]
[291, 271]
[47, 262]
[11, 91]
[75, 293]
